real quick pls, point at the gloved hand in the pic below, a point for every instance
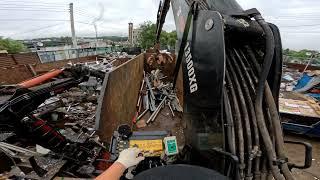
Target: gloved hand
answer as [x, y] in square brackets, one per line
[129, 157]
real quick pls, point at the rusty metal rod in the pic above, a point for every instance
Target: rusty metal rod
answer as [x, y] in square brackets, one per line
[156, 112]
[142, 114]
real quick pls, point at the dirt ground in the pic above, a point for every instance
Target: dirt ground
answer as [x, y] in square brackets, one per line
[296, 155]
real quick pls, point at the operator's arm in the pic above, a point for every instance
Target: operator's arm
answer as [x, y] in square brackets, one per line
[127, 158]
[114, 172]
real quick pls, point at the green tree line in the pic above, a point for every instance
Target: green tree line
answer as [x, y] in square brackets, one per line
[11, 46]
[303, 54]
[148, 35]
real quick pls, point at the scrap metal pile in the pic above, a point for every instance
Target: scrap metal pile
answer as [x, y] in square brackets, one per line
[107, 63]
[156, 92]
[299, 102]
[300, 93]
[47, 130]
[307, 82]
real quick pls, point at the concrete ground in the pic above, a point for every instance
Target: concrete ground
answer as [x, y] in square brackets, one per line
[296, 154]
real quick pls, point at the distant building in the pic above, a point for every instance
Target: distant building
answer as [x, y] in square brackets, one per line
[133, 34]
[130, 33]
[136, 34]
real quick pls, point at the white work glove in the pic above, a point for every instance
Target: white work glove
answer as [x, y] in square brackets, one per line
[130, 157]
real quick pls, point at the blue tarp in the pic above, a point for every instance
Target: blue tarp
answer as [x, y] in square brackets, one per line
[314, 95]
[302, 81]
[306, 83]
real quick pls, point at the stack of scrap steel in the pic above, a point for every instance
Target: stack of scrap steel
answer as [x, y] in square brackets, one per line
[299, 102]
[155, 94]
[47, 125]
[158, 106]
[289, 79]
[307, 82]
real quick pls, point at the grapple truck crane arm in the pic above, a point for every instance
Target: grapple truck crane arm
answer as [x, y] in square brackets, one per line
[231, 61]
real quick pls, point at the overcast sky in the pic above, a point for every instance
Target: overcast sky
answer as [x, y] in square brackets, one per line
[298, 20]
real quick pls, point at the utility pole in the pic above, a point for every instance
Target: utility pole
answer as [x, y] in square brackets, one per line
[74, 40]
[96, 30]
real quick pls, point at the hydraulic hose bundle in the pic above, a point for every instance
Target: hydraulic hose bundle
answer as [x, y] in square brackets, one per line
[256, 137]
[232, 52]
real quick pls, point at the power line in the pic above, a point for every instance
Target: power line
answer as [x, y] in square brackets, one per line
[81, 22]
[30, 19]
[24, 2]
[293, 17]
[303, 25]
[32, 8]
[21, 9]
[84, 15]
[82, 11]
[33, 5]
[38, 29]
[303, 32]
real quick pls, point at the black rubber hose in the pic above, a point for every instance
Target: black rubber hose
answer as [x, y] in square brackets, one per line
[264, 171]
[244, 112]
[256, 68]
[251, 78]
[230, 124]
[275, 119]
[238, 124]
[259, 95]
[253, 61]
[278, 133]
[239, 67]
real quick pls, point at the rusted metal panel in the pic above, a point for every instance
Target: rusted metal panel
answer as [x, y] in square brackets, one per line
[8, 60]
[26, 58]
[301, 67]
[119, 94]
[15, 74]
[118, 98]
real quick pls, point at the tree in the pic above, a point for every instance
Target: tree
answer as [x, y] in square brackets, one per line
[148, 35]
[11, 46]
[172, 37]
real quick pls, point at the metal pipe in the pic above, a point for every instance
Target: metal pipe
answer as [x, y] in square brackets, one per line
[155, 113]
[17, 148]
[142, 114]
[170, 108]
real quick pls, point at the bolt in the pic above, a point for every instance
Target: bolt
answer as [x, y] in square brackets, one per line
[209, 24]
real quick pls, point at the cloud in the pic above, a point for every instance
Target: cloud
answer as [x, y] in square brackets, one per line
[296, 19]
